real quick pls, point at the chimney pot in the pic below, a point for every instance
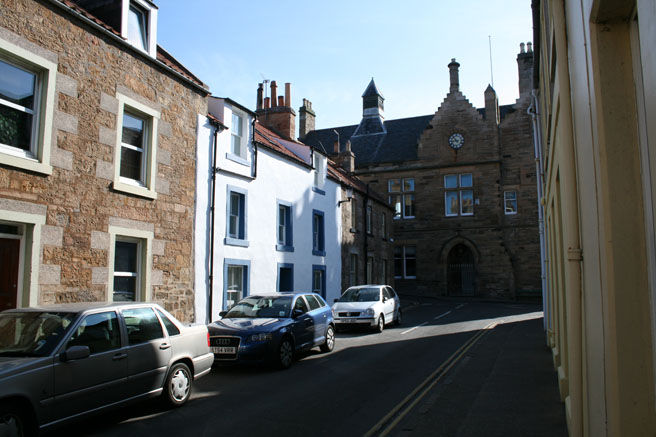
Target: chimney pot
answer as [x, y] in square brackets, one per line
[453, 76]
[266, 102]
[281, 101]
[260, 88]
[529, 47]
[336, 147]
[288, 95]
[521, 48]
[274, 93]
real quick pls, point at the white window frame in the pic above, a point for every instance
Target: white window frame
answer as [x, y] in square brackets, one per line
[44, 106]
[506, 200]
[151, 23]
[402, 195]
[138, 275]
[459, 190]
[319, 165]
[144, 292]
[145, 188]
[235, 134]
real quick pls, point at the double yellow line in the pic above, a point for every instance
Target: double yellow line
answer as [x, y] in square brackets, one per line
[391, 419]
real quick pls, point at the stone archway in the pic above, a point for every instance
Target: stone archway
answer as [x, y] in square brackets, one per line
[459, 260]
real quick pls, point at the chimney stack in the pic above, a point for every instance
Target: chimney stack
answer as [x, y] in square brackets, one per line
[525, 69]
[346, 159]
[453, 76]
[277, 113]
[491, 105]
[306, 119]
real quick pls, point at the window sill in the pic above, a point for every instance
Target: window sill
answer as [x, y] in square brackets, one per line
[25, 163]
[318, 252]
[238, 159]
[282, 248]
[319, 191]
[133, 189]
[235, 242]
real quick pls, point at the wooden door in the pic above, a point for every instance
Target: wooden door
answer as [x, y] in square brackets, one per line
[9, 258]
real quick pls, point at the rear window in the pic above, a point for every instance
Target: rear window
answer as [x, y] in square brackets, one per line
[321, 301]
[142, 324]
[168, 324]
[312, 301]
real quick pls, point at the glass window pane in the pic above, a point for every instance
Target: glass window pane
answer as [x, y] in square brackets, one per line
[410, 251]
[451, 181]
[466, 180]
[236, 125]
[236, 145]
[170, 326]
[17, 85]
[408, 185]
[125, 256]
[395, 201]
[451, 203]
[394, 185]
[125, 288]
[312, 301]
[15, 128]
[410, 267]
[409, 204]
[133, 130]
[131, 164]
[142, 325]
[99, 332]
[137, 27]
[467, 201]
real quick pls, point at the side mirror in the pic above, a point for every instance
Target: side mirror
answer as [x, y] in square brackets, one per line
[75, 353]
[297, 313]
[223, 313]
[384, 299]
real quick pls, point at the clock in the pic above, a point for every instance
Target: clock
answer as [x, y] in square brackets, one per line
[456, 141]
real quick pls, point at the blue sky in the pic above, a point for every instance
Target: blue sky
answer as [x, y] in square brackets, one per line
[329, 50]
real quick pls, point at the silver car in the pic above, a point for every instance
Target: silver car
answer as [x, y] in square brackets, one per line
[367, 305]
[64, 361]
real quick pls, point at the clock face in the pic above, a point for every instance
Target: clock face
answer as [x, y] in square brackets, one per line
[456, 141]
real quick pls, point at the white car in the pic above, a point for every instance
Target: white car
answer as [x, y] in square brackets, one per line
[367, 305]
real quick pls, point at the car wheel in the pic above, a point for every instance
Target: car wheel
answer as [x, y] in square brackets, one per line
[178, 385]
[329, 344]
[381, 324]
[398, 318]
[285, 353]
[15, 422]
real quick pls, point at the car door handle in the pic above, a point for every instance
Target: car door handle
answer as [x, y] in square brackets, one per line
[119, 357]
[164, 346]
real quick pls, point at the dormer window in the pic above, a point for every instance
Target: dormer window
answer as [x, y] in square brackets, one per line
[319, 164]
[139, 25]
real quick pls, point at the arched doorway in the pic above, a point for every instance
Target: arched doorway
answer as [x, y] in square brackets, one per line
[460, 271]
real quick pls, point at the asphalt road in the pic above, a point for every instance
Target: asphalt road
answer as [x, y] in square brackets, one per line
[364, 387]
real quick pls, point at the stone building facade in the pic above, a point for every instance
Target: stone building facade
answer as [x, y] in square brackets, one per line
[462, 182]
[97, 192]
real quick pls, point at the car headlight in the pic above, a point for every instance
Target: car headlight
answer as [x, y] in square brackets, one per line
[369, 312]
[265, 336]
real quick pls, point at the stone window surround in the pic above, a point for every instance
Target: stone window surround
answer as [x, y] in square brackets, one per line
[353, 269]
[47, 81]
[459, 189]
[404, 261]
[151, 32]
[30, 252]
[146, 258]
[150, 156]
[402, 193]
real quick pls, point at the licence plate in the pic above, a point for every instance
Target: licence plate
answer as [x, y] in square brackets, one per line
[223, 350]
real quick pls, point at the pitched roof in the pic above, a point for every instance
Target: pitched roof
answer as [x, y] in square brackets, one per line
[399, 143]
[371, 90]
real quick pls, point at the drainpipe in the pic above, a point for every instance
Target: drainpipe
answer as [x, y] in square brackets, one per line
[537, 144]
[366, 234]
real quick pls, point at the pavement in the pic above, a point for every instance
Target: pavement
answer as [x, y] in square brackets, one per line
[504, 385]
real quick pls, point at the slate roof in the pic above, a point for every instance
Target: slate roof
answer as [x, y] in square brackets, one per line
[371, 90]
[399, 143]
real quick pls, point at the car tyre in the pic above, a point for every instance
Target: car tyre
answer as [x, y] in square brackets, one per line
[329, 344]
[398, 318]
[177, 388]
[380, 325]
[285, 353]
[17, 420]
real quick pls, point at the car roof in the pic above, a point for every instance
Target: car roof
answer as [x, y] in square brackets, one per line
[281, 294]
[368, 286]
[79, 307]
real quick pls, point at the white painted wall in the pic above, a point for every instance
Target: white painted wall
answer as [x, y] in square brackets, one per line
[277, 178]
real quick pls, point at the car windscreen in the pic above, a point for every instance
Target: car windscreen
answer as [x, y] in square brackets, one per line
[361, 295]
[32, 333]
[261, 307]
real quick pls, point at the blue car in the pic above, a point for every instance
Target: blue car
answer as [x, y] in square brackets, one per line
[272, 328]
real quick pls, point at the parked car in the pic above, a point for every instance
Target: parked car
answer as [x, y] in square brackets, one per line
[272, 328]
[367, 305]
[63, 361]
